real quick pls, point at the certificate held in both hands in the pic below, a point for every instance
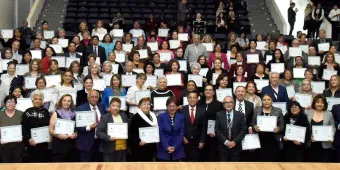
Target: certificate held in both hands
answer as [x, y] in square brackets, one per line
[36, 54]
[295, 133]
[295, 51]
[117, 130]
[63, 126]
[165, 56]
[23, 104]
[63, 42]
[48, 34]
[261, 83]
[253, 58]
[149, 134]
[332, 101]
[40, 135]
[118, 32]
[163, 32]
[7, 33]
[122, 100]
[127, 47]
[57, 48]
[174, 44]
[314, 60]
[299, 72]
[305, 100]
[251, 142]
[140, 94]
[267, 123]
[318, 86]
[183, 37]
[324, 46]
[128, 80]
[61, 61]
[183, 65]
[277, 67]
[85, 118]
[159, 103]
[327, 74]
[208, 46]
[151, 81]
[21, 69]
[11, 134]
[30, 82]
[120, 57]
[99, 84]
[198, 79]
[174, 79]
[69, 60]
[322, 133]
[143, 53]
[153, 45]
[222, 93]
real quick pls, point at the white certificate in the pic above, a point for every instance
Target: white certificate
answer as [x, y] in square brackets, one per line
[80, 53]
[211, 127]
[327, 74]
[236, 84]
[261, 45]
[222, 93]
[107, 79]
[214, 78]
[48, 34]
[85, 118]
[281, 105]
[198, 79]
[163, 32]
[337, 57]
[151, 81]
[165, 56]
[4, 63]
[282, 48]
[122, 101]
[57, 48]
[127, 47]
[69, 60]
[140, 94]
[251, 142]
[30, 82]
[295, 51]
[100, 36]
[63, 42]
[332, 101]
[305, 48]
[305, 100]
[267, 123]
[208, 46]
[23, 104]
[159, 72]
[174, 79]
[174, 44]
[290, 91]
[322, 133]
[117, 130]
[137, 33]
[7, 33]
[323, 46]
[11, 134]
[61, 61]
[47, 94]
[253, 58]
[118, 32]
[295, 133]
[53, 80]
[185, 100]
[138, 70]
[183, 37]
[183, 65]
[268, 58]
[120, 57]
[115, 68]
[36, 54]
[99, 84]
[299, 72]
[159, 103]
[73, 94]
[314, 60]
[43, 44]
[63, 126]
[153, 45]
[143, 53]
[149, 134]
[318, 86]
[128, 80]
[204, 71]
[1, 69]
[261, 83]
[41, 135]
[21, 69]
[97, 61]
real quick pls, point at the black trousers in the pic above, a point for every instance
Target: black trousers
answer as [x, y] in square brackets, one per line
[228, 156]
[12, 152]
[71, 156]
[192, 152]
[335, 30]
[38, 153]
[93, 155]
[291, 24]
[117, 156]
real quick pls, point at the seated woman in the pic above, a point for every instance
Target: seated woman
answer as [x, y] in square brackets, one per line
[222, 82]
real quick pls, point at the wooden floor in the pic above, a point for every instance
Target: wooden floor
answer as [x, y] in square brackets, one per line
[172, 166]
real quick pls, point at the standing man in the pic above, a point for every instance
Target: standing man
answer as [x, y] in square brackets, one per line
[334, 15]
[96, 49]
[182, 11]
[277, 92]
[230, 129]
[87, 141]
[194, 50]
[195, 127]
[292, 16]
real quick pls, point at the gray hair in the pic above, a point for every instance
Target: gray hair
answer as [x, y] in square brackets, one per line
[271, 73]
[196, 35]
[37, 93]
[195, 65]
[107, 62]
[89, 93]
[162, 78]
[98, 70]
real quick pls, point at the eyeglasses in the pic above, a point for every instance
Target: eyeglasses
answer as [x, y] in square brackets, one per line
[146, 104]
[10, 102]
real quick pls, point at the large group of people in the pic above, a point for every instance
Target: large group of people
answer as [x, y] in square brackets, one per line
[143, 97]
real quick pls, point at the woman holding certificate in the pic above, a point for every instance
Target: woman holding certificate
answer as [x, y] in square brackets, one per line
[239, 75]
[34, 69]
[239, 62]
[114, 148]
[328, 67]
[171, 130]
[11, 79]
[222, 82]
[251, 94]
[294, 147]
[156, 59]
[259, 74]
[131, 93]
[288, 81]
[268, 123]
[94, 70]
[190, 86]
[333, 89]
[217, 53]
[176, 89]
[112, 60]
[12, 148]
[143, 151]
[195, 71]
[323, 129]
[62, 124]
[159, 94]
[45, 62]
[106, 69]
[115, 89]
[107, 44]
[136, 61]
[214, 72]
[27, 57]
[165, 49]
[118, 50]
[306, 89]
[36, 120]
[253, 56]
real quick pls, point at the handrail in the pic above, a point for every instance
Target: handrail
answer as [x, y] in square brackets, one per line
[35, 11]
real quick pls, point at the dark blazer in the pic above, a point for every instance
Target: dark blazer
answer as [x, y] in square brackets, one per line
[238, 130]
[197, 131]
[85, 139]
[336, 116]
[210, 74]
[101, 54]
[170, 136]
[282, 94]
[249, 112]
[291, 15]
[68, 55]
[328, 93]
[133, 73]
[81, 97]
[318, 41]
[233, 67]
[107, 146]
[136, 48]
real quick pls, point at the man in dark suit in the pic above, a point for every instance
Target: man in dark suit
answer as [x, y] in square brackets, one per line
[72, 46]
[195, 127]
[95, 49]
[129, 68]
[182, 11]
[244, 106]
[291, 17]
[322, 39]
[336, 116]
[277, 92]
[230, 129]
[87, 141]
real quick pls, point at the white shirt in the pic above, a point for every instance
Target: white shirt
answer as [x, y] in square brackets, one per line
[276, 89]
[99, 31]
[190, 111]
[318, 11]
[333, 13]
[242, 105]
[130, 96]
[6, 80]
[98, 115]
[17, 56]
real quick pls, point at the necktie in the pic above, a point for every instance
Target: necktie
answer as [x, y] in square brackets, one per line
[192, 117]
[95, 50]
[95, 111]
[228, 118]
[240, 107]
